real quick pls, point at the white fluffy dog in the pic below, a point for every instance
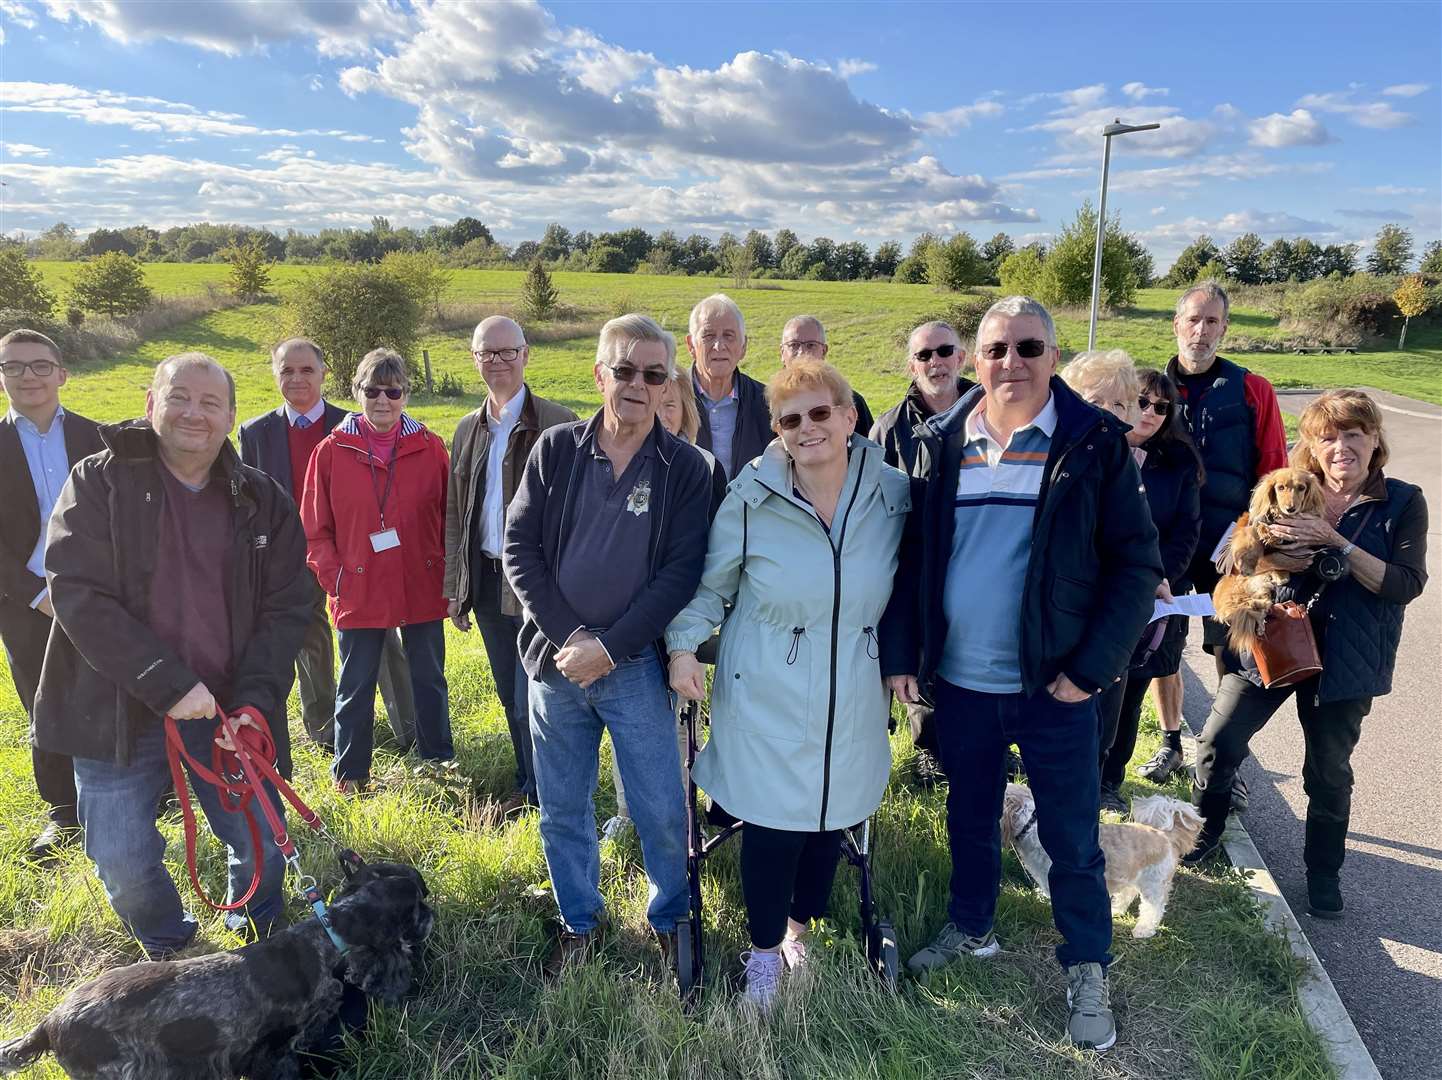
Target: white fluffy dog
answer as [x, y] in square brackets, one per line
[1141, 854]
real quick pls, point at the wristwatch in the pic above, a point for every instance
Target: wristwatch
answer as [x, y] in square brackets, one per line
[1347, 548]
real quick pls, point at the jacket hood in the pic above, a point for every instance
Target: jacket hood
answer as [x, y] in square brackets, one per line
[135, 440]
[1074, 417]
[770, 474]
[351, 425]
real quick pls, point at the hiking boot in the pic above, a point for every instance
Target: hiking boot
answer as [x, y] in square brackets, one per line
[1112, 799]
[1239, 795]
[950, 945]
[569, 948]
[1209, 842]
[926, 770]
[793, 954]
[1089, 1023]
[518, 802]
[1324, 896]
[763, 975]
[1162, 765]
[55, 837]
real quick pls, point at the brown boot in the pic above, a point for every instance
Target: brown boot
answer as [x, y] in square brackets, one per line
[570, 948]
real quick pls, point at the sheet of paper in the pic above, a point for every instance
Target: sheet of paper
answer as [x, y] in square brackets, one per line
[1191, 604]
[1223, 542]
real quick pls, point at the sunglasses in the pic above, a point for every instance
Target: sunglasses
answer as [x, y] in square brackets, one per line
[1029, 349]
[1161, 408]
[16, 368]
[819, 415]
[395, 393]
[626, 373]
[943, 351]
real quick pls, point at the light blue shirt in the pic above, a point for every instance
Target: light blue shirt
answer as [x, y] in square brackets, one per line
[49, 467]
[721, 415]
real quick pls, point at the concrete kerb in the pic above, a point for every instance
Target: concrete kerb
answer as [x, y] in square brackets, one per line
[1321, 1005]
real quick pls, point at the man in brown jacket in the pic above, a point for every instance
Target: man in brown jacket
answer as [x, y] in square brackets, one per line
[488, 455]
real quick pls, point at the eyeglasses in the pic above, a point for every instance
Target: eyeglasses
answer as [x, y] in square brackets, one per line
[1161, 408]
[1028, 349]
[943, 351]
[16, 368]
[819, 415]
[395, 393]
[496, 356]
[626, 373]
[794, 347]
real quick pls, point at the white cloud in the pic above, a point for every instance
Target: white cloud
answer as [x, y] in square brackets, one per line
[1204, 172]
[1377, 215]
[20, 149]
[1139, 91]
[13, 12]
[338, 27]
[950, 121]
[1393, 189]
[846, 68]
[1407, 90]
[1298, 128]
[1157, 211]
[1374, 114]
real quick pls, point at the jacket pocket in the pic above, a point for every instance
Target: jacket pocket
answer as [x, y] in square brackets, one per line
[767, 677]
[1071, 595]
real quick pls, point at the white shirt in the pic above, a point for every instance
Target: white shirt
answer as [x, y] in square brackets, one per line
[313, 414]
[493, 513]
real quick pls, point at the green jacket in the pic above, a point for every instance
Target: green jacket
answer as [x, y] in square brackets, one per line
[799, 713]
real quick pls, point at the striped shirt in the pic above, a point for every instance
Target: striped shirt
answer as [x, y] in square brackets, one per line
[996, 497]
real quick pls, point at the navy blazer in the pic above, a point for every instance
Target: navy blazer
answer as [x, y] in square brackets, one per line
[265, 443]
[20, 526]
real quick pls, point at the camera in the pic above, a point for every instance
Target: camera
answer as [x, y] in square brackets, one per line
[1331, 565]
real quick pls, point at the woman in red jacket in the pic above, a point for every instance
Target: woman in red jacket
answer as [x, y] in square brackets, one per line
[374, 510]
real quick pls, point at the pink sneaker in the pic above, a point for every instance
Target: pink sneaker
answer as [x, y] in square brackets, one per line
[793, 952]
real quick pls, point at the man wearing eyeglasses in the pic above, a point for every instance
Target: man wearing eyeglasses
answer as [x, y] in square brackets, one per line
[605, 541]
[488, 453]
[804, 338]
[39, 442]
[1038, 571]
[735, 422]
[934, 356]
[279, 443]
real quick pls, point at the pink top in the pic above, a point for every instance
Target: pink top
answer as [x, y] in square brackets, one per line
[381, 443]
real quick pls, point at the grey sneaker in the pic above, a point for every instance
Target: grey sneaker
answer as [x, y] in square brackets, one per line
[1161, 766]
[1112, 800]
[949, 945]
[763, 974]
[1090, 1024]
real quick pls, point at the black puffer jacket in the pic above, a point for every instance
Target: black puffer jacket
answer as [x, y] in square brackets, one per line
[1169, 474]
[107, 675]
[1094, 565]
[1357, 630]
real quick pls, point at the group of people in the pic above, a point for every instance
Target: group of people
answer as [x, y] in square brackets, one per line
[990, 556]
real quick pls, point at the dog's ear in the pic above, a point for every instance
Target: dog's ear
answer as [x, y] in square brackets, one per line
[1263, 497]
[382, 921]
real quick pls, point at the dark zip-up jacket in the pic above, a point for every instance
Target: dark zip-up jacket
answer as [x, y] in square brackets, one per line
[1169, 475]
[107, 676]
[1094, 566]
[753, 422]
[895, 429]
[539, 520]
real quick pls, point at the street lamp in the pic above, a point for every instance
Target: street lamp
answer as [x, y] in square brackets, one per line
[1116, 127]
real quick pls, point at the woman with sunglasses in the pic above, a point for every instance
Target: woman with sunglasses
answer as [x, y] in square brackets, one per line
[375, 511]
[798, 576]
[1172, 473]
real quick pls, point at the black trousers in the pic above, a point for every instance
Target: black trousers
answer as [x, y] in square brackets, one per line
[1124, 744]
[25, 632]
[1329, 735]
[1109, 710]
[785, 874]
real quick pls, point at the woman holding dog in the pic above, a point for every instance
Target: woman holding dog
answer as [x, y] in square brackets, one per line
[1374, 532]
[805, 546]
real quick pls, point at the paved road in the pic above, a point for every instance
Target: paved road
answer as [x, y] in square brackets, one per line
[1385, 956]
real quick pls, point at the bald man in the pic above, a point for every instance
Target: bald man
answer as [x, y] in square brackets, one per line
[487, 456]
[804, 338]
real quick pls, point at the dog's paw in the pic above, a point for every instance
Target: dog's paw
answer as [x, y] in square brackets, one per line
[1144, 931]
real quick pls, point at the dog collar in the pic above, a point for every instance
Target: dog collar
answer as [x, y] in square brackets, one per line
[317, 905]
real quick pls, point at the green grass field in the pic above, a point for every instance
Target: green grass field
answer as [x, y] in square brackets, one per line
[1213, 996]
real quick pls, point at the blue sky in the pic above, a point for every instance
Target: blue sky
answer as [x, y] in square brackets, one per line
[867, 121]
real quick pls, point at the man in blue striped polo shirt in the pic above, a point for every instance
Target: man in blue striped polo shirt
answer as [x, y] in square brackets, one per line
[1038, 566]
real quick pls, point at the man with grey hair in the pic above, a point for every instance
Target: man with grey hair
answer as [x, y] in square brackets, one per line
[1039, 562]
[279, 443]
[605, 541]
[1236, 424]
[489, 451]
[804, 338]
[178, 578]
[735, 422]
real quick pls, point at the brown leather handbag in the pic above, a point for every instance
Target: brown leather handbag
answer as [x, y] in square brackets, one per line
[1286, 653]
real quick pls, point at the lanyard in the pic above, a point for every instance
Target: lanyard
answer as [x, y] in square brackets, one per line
[382, 497]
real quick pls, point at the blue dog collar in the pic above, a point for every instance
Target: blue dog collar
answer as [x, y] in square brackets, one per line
[317, 905]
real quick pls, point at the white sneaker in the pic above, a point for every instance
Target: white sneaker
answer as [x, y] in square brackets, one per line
[615, 827]
[793, 954]
[763, 974]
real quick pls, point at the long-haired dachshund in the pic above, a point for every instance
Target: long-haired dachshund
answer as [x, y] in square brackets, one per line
[1260, 562]
[244, 1013]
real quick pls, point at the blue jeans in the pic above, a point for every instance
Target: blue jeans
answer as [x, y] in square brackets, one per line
[117, 809]
[632, 702]
[1058, 744]
[355, 699]
[499, 632]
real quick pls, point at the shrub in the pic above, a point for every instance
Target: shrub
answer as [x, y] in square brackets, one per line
[21, 286]
[1341, 311]
[249, 269]
[910, 271]
[1066, 277]
[111, 284]
[16, 318]
[1021, 273]
[956, 264]
[349, 310]
[607, 259]
[422, 275]
[449, 386]
[964, 315]
[538, 294]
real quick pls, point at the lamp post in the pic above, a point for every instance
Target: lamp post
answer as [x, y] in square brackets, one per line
[1116, 127]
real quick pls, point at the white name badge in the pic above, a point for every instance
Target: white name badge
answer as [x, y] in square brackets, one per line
[385, 540]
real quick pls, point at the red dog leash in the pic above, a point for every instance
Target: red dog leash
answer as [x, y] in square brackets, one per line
[238, 775]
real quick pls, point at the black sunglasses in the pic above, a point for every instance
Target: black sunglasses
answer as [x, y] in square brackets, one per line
[1161, 408]
[16, 368]
[626, 373]
[1029, 349]
[942, 351]
[395, 393]
[819, 415]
